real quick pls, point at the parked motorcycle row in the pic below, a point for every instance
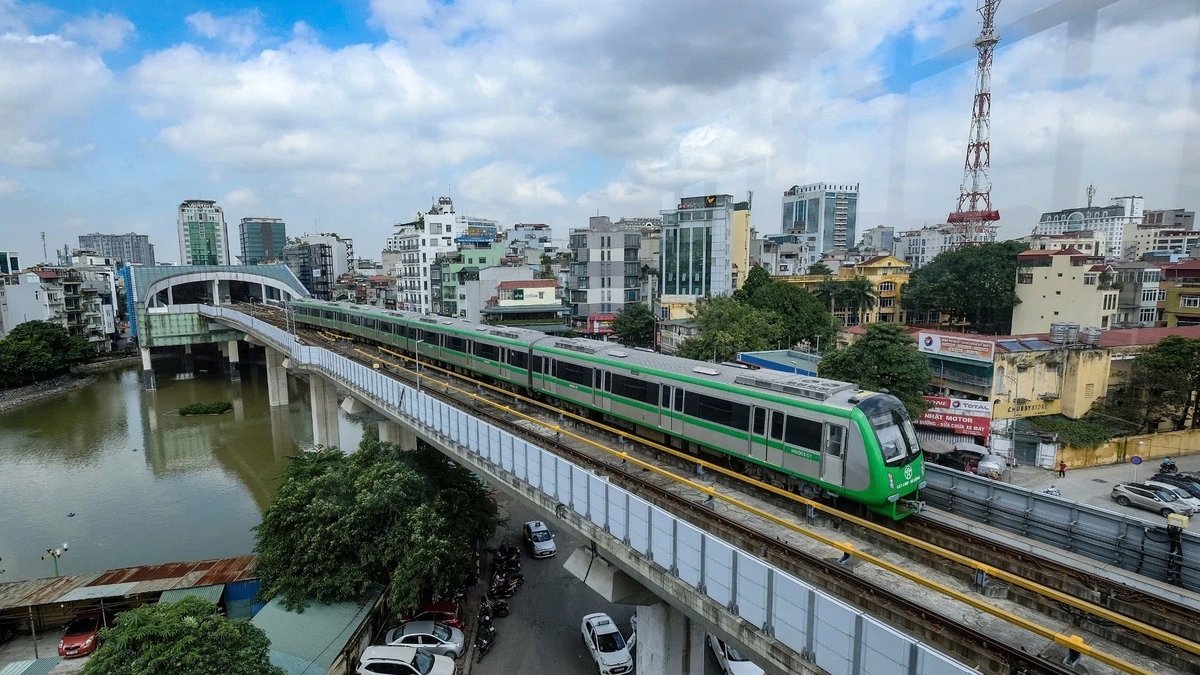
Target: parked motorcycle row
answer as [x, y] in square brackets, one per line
[506, 579]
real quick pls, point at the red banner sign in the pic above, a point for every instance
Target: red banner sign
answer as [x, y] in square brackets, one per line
[962, 416]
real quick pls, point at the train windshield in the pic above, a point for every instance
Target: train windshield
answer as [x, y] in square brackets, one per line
[897, 438]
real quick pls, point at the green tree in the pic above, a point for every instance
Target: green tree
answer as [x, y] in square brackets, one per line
[547, 271]
[884, 358]
[39, 350]
[820, 268]
[800, 314]
[1164, 384]
[857, 296]
[186, 637]
[727, 327]
[634, 325]
[974, 283]
[756, 280]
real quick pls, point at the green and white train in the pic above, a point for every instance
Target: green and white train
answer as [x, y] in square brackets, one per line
[811, 435]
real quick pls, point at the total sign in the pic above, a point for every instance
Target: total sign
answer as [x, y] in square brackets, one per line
[963, 416]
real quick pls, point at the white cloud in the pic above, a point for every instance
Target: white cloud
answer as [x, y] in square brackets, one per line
[105, 32]
[8, 185]
[239, 31]
[240, 198]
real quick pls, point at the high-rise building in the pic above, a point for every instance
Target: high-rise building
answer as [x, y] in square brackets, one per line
[130, 249]
[313, 265]
[262, 239]
[203, 237]
[1170, 219]
[697, 247]
[605, 274]
[1111, 220]
[823, 215]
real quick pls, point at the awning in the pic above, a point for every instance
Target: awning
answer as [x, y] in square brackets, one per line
[96, 592]
[210, 593]
[964, 446]
[937, 447]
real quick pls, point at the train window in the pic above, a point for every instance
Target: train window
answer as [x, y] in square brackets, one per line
[518, 358]
[835, 440]
[328, 316]
[608, 385]
[486, 351]
[777, 425]
[355, 320]
[691, 405]
[678, 399]
[387, 327]
[564, 370]
[537, 364]
[369, 323]
[635, 389]
[723, 412]
[666, 397]
[803, 433]
[760, 421]
[341, 317]
[456, 343]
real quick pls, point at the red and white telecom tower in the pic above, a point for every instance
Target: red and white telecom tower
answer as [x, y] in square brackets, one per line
[973, 221]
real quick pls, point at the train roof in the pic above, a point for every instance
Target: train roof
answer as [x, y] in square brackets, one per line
[814, 389]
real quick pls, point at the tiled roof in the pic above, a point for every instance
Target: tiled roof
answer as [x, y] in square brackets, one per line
[46, 274]
[1099, 268]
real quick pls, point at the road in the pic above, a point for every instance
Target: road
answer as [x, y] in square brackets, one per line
[542, 633]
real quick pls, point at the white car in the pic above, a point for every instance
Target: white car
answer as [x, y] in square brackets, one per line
[731, 662]
[1184, 496]
[387, 660]
[431, 636]
[606, 645]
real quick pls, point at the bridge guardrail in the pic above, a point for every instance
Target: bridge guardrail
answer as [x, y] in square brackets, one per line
[831, 634]
[1112, 538]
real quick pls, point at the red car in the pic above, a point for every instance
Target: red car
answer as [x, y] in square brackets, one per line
[448, 612]
[81, 636]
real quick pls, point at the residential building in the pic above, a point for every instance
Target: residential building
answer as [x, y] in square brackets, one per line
[918, 247]
[263, 240]
[528, 303]
[313, 265]
[130, 249]
[605, 274]
[824, 215]
[450, 270]
[1141, 296]
[39, 295]
[440, 230]
[697, 254]
[1181, 302]
[533, 240]
[881, 238]
[780, 255]
[1111, 220]
[1063, 286]
[203, 237]
[1084, 241]
[888, 274]
[340, 250]
[1143, 241]
[672, 333]
[1169, 219]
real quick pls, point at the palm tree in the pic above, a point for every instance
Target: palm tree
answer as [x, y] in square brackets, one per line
[857, 296]
[828, 291]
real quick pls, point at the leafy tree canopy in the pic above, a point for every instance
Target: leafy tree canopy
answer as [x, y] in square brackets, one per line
[973, 283]
[884, 358]
[186, 637]
[801, 315]
[341, 523]
[819, 267]
[727, 327]
[634, 325]
[39, 350]
[1163, 386]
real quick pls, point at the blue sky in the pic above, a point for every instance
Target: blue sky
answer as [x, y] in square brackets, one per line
[351, 116]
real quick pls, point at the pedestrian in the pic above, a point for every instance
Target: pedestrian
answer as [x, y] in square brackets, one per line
[1062, 469]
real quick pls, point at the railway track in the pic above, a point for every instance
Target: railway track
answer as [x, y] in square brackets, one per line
[981, 647]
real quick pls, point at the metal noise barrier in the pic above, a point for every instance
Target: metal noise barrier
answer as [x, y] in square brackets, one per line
[831, 634]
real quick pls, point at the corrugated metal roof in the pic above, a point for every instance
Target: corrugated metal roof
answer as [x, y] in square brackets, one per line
[210, 593]
[292, 665]
[97, 592]
[42, 666]
[315, 636]
[15, 668]
[39, 591]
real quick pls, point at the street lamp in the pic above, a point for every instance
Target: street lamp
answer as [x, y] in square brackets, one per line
[795, 367]
[55, 553]
[417, 349]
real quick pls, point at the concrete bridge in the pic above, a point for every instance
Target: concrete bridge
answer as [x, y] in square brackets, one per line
[685, 581]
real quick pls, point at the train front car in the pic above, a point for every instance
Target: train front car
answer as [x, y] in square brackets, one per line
[893, 453]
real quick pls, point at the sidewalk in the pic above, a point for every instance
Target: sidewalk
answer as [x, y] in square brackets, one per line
[1094, 484]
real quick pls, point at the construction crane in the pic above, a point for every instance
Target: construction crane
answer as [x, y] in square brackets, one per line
[973, 221]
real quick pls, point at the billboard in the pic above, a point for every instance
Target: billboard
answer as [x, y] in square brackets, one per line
[952, 345]
[962, 416]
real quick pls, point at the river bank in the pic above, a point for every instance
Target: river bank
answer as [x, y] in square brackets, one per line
[80, 377]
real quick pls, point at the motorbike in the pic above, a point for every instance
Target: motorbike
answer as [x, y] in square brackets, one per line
[1052, 491]
[1167, 466]
[484, 642]
[496, 606]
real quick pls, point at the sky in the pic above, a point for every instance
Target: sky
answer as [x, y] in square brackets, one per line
[352, 116]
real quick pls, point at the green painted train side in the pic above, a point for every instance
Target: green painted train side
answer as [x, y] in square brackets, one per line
[887, 485]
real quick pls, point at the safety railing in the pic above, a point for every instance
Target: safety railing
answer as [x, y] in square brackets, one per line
[833, 635]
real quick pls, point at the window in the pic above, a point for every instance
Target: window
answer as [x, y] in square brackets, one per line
[537, 364]
[486, 351]
[760, 421]
[1189, 301]
[719, 411]
[518, 358]
[835, 439]
[634, 389]
[777, 425]
[678, 400]
[573, 373]
[803, 433]
[1148, 315]
[1088, 280]
[456, 343]
[666, 397]
[887, 286]
[1150, 295]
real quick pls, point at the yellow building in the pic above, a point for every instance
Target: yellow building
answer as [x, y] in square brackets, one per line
[887, 273]
[1063, 286]
[740, 251]
[1182, 284]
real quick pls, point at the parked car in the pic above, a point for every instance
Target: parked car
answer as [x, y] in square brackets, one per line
[387, 660]
[606, 645]
[731, 662]
[1183, 480]
[81, 636]
[539, 539]
[1152, 499]
[1180, 493]
[448, 612]
[436, 638]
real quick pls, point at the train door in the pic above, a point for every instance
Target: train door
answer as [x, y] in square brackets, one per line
[758, 433]
[603, 390]
[833, 453]
[677, 407]
[775, 438]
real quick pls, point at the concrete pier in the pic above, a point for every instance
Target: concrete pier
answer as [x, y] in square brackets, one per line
[277, 388]
[147, 370]
[323, 396]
